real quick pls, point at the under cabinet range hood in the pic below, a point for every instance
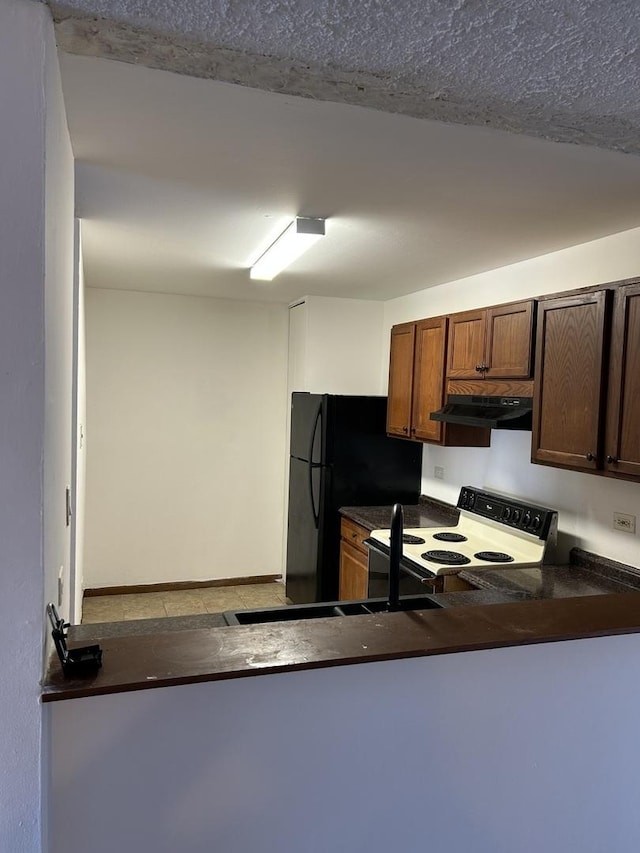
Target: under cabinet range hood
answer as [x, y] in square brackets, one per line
[491, 412]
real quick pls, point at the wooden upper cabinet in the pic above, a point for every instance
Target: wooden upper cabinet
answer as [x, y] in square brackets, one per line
[466, 344]
[508, 342]
[417, 386]
[494, 343]
[428, 378]
[622, 442]
[569, 374]
[401, 379]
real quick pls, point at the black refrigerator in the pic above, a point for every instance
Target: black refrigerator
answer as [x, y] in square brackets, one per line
[340, 455]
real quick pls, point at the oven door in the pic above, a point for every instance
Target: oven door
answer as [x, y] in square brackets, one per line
[379, 575]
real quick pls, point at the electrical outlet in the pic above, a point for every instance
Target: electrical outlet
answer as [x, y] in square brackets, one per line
[626, 523]
[60, 585]
[438, 472]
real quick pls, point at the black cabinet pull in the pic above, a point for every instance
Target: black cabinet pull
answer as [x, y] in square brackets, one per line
[479, 368]
[612, 459]
[590, 457]
[405, 429]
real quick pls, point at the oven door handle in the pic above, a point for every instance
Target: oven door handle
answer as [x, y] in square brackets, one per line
[375, 545]
[426, 580]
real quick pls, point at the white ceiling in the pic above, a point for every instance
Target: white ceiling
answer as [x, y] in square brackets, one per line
[183, 181]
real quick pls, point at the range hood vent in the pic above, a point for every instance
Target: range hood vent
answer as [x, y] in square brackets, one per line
[491, 412]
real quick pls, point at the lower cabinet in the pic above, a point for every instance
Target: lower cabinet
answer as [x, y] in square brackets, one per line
[354, 559]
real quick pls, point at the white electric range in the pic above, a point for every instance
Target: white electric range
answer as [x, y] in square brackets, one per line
[492, 530]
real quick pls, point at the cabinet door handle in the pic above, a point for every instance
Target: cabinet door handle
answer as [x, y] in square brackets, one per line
[612, 460]
[589, 457]
[405, 429]
[479, 368]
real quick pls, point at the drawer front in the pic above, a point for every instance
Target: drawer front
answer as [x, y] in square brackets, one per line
[354, 534]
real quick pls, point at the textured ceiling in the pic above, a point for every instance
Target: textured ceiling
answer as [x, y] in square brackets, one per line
[566, 70]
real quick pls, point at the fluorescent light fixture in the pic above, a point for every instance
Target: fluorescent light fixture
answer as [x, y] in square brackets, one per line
[293, 242]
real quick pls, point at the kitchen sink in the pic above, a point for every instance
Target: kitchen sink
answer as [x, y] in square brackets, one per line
[293, 612]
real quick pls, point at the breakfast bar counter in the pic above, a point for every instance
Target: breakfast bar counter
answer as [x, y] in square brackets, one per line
[210, 654]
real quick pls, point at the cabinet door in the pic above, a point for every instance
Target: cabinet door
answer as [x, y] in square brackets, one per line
[428, 377]
[400, 379]
[569, 381]
[622, 445]
[354, 573]
[466, 345]
[508, 341]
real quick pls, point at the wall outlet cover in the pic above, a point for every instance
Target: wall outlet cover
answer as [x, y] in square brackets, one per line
[438, 472]
[624, 522]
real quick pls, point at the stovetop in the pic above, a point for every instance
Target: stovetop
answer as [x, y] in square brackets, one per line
[493, 530]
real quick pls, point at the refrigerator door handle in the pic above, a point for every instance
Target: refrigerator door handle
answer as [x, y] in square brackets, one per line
[312, 466]
[313, 434]
[316, 515]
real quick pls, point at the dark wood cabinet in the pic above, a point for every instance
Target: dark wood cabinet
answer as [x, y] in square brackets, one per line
[622, 438]
[466, 345]
[354, 561]
[428, 378]
[492, 343]
[417, 386]
[401, 379]
[569, 381]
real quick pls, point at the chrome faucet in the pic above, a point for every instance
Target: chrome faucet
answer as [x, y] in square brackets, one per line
[397, 526]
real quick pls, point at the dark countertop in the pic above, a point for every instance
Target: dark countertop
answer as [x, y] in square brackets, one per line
[209, 654]
[92, 633]
[585, 574]
[428, 513]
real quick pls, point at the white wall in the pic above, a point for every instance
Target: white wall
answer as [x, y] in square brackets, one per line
[335, 346]
[186, 402]
[35, 259]
[519, 749]
[585, 502]
[59, 278]
[79, 454]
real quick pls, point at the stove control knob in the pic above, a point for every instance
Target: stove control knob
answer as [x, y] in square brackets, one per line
[506, 514]
[527, 518]
[537, 521]
[472, 499]
[516, 515]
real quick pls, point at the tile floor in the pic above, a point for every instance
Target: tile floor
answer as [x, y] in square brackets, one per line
[151, 605]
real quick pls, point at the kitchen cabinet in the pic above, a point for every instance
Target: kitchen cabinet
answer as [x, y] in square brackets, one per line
[491, 343]
[570, 380]
[417, 386]
[622, 438]
[354, 559]
[403, 338]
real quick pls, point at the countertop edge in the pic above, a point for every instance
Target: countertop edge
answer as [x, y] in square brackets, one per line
[217, 654]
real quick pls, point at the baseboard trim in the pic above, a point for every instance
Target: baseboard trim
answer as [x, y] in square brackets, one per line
[177, 585]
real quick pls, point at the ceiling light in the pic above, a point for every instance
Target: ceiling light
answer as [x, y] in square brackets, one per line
[293, 242]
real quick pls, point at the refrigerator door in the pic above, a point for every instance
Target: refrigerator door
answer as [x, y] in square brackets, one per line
[340, 456]
[368, 467]
[304, 539]
[308, 419]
